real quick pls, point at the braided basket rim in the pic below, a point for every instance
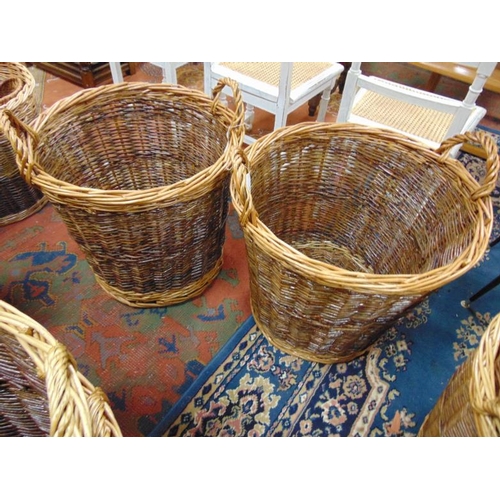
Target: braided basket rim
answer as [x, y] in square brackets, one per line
[27, 89]
[115, 200]
[38, 342]
[330, 275]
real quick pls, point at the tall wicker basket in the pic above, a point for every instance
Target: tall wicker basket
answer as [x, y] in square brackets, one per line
[470, 404]
[42, 393]
[18, 200]
[140, 175]
[348, 227]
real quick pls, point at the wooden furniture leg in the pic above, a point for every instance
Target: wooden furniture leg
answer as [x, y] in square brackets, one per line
[432, 83]
[314, 102]
[86, 75]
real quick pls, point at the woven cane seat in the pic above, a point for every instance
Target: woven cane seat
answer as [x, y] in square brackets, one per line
[404, 116]
[269, 72]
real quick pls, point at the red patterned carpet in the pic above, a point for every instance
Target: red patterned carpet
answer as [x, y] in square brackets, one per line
[144, 359]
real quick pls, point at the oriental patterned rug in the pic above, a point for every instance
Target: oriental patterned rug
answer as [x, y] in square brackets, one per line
[253, 389]
[144, 359]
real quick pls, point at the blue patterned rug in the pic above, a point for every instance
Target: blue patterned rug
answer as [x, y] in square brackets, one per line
[251, 388]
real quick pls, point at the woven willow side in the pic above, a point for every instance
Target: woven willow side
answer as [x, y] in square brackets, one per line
[42, 393]
[18, 200]
[348, 227]
[470, 403]
[140, 175]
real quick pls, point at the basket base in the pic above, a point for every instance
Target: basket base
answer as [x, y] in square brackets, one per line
[24, 214]
[327, 359]
[166, 298]
[336, 255]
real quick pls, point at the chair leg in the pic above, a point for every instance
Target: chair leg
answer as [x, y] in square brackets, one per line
[313, 104]
[325, 99]
[280, 118]
[169, 73]
[249, 117]
[495, 242]
[489, 286]
[492, 284]
[116, 72]
[467, 304]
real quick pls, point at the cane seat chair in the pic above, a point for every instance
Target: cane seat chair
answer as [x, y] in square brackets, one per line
[276, 87]
[422, 115]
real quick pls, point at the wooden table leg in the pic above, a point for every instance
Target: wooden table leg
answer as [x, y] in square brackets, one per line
[432, 82]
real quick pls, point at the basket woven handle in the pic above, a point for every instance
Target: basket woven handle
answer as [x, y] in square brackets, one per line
[17, 134]
[492, 162]
[239, 125]
[240, 192]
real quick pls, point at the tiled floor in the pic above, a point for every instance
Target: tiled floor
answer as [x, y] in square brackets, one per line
[191, 76]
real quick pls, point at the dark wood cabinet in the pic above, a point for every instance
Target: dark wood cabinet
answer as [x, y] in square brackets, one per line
[84, 74]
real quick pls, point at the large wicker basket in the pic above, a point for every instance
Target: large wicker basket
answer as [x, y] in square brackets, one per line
[470, 403]
[18, 200]
[348, 227]
[42, 393]
[140, 175]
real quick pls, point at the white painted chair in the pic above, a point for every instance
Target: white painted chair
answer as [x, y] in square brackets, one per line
[168, 69]
[278, 88]
[424, 116]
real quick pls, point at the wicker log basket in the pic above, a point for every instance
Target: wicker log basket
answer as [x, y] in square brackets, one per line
[18, 200]
[42, 393]
[470, 404]
[348, 227]
[140, 174]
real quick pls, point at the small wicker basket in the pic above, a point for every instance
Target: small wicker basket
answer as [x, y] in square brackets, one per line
[348, 227]
[18, 200]
[470, 404]
[42, 393]
[140, 175]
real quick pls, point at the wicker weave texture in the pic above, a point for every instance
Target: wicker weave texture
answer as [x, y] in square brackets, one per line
[470, 404]
[140, 175]
[9, 88]
[348, 227]
[18, 200]
[42, 393]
